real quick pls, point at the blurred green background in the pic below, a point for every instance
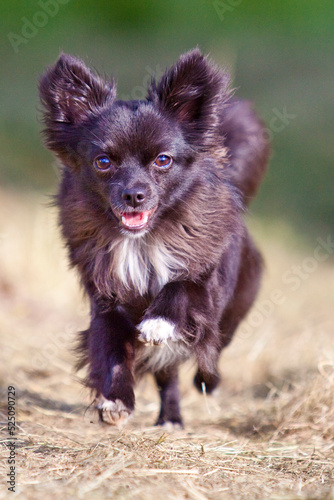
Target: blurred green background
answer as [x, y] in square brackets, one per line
[280, 54]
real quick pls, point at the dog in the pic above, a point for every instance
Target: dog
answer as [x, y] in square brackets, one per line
[151, 206]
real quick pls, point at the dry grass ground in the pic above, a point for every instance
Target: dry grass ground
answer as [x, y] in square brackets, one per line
[267, 433]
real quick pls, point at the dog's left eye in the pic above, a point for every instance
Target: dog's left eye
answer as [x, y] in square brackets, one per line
[102, 162]
[163, 161]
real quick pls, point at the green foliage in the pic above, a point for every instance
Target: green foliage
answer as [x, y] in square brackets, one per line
[279, 52]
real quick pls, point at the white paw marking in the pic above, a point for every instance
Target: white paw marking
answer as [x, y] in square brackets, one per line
[157, 331]
[171, 426]
[112, 412]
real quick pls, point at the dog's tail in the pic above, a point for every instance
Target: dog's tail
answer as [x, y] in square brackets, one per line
[249, 148]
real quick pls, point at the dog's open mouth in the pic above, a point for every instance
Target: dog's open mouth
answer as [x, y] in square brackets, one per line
[136, 220]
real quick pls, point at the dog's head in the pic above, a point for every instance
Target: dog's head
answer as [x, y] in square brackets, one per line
[134, 159]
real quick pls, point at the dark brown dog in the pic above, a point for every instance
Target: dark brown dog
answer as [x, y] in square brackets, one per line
[151, 204]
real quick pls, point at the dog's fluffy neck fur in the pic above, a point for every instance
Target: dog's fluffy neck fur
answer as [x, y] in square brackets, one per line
[124, 267]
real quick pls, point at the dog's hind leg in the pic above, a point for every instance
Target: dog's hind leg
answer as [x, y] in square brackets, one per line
[245, 292]
[167, 381]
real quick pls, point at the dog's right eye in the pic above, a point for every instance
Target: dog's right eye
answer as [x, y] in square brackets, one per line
[102, 163]
[163, 161]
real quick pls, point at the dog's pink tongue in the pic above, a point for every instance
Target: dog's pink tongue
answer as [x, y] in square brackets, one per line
[135, 219]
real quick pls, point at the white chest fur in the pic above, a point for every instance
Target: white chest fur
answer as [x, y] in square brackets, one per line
[144, 264]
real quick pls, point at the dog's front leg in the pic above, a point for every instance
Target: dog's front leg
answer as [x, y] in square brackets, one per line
[189, 312]
[181, 307]
[111, 364]
[166, 318]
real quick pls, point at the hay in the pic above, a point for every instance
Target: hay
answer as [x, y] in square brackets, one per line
[268, 432]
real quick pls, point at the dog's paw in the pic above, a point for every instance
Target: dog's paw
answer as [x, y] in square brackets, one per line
[171, 426]
[112, 412]
[206, 382]
[155, 331]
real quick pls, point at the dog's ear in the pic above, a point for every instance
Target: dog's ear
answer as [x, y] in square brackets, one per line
[70, 91]
[70, 94]
[193, 91]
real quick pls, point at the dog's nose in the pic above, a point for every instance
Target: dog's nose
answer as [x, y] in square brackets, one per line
[134, 197]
